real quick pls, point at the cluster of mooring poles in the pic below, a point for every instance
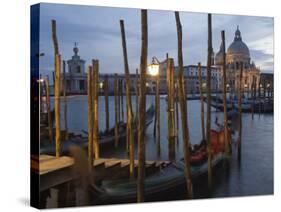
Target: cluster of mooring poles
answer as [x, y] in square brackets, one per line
[135, 124]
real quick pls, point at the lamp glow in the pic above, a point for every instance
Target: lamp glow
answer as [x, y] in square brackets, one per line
[153, 69]
[101, 85]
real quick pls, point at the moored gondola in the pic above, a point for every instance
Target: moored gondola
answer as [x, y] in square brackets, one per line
[164, 181]
[105, 138]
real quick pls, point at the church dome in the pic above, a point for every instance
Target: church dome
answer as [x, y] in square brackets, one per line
[238, 47]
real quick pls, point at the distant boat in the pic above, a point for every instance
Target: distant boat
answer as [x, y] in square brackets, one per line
[247, 105]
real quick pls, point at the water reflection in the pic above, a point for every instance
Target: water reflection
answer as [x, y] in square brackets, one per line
[254, 176]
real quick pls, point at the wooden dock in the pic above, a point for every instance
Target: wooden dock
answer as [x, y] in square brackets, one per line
[55, 171]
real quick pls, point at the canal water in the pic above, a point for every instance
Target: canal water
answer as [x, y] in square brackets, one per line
[253, 176]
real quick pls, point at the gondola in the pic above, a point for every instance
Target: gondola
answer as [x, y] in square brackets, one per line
[164, 181]
[105, 137]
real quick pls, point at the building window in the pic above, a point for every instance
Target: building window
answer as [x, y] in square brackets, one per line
[81, 85]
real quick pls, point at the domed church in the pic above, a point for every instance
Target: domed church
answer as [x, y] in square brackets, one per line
[238, 52]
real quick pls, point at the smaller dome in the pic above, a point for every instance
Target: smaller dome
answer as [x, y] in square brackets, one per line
[219, 56]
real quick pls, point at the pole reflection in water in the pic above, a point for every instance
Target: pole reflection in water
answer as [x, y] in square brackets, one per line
[251, 178]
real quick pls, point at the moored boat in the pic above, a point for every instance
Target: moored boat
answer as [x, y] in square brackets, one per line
[164, 181]
[105, 138]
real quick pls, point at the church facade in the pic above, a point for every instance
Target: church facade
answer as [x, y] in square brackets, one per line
[238, 53]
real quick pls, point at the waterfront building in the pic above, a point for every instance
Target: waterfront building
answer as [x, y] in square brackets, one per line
[191, 77]
[76, 77]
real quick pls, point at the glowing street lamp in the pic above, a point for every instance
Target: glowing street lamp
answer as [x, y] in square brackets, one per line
[101, 85]
[153, 68]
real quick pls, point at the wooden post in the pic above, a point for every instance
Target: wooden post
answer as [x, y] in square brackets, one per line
[57, 87]
[142, 104]
[95, 108]
[119, 101]
[129, 132]
[65, 103]
[183, 106]
[208, 128]
[202, 102]
[170, 109]
[226, 141]
[171, 98]
[54, 37]
[57, 104]
[90, 118]
[122, 100]
[157, 115]
[157, 106]
[116, 128]
[106, 103]
[240, 112]
[50, 121]
[137, 94]
[177, 107]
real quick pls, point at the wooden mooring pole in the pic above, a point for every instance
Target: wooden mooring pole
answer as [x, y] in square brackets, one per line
[177, 108]
[226, 140]
[57, 104]
[106, 103]
[122, 99]
[183, 106]
[170, 108]
[65, 103]
[116, 128]
[142, 104]
[157, 106]
[208, 127]
[202, 102]
[137, 95]
[240, 112]
[118, 100]
[129, 132]
[95, 108]
[90, 117]
[57, 88]
[50, 121]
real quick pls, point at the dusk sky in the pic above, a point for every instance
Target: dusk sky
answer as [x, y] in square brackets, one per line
[97, 32]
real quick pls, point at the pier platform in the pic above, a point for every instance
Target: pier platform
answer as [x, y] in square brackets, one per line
[55, 171]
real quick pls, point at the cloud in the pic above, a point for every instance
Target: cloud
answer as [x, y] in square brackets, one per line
[97, 31]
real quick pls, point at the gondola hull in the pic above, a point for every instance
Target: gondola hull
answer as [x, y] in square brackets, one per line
[168, 180]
